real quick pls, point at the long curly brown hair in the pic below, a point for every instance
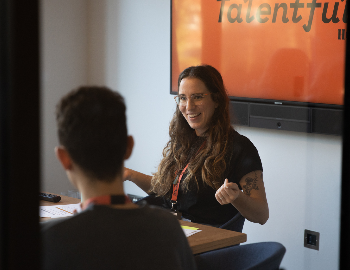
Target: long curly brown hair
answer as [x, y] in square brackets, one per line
[210, 160]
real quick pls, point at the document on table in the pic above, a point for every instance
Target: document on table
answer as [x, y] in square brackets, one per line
[59, 210]
[190, 230]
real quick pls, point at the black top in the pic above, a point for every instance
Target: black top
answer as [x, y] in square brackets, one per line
[200, 205]
[102, 237]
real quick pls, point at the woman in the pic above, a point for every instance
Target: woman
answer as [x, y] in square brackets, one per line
[208, 171]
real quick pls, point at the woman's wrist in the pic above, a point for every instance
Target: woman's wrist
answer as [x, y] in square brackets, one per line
[127, 174]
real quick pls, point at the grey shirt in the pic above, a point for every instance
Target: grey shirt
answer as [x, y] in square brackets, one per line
[102, 237]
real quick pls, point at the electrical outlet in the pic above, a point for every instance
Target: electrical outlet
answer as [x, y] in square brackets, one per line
[311, 239]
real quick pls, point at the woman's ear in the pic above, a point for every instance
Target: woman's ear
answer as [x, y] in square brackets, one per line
[64, 158]
[129, 147]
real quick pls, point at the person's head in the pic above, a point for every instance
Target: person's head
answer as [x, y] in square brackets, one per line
[202, 113]
[209, 117]
[92, 130]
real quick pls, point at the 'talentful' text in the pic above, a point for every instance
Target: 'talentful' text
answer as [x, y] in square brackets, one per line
[264, 12]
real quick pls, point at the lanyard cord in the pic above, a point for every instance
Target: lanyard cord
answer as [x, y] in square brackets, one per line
[176, 183]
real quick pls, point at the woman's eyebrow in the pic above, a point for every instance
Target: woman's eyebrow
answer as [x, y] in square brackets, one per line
[192, 94]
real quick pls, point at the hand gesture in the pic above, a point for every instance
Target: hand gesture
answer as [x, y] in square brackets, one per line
[227, 193]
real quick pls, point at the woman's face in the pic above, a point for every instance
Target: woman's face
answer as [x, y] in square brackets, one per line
[197, 113]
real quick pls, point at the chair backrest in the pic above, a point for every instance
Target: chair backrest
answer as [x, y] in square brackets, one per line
[255, 256]
[234, 224]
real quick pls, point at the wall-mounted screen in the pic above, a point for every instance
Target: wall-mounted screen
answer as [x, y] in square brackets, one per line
[289, 50]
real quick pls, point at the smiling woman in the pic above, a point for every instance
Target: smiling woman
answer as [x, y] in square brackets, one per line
[199, 108]
[209, 172]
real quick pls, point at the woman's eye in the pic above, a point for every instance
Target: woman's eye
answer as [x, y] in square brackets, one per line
[197, 97]
[182, 98]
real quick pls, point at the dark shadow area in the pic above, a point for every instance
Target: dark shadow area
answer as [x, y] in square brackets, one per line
[19, 135]
[345, 202]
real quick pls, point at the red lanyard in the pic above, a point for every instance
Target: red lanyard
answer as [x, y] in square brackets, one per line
[176, 183]
[106, 200]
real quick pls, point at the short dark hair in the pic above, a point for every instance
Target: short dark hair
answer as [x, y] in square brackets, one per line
[91, 126]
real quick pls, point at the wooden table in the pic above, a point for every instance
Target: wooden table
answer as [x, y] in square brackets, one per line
[209, 238]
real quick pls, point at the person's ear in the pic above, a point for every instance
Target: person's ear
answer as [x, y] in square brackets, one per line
[129, 147]
[63, 156]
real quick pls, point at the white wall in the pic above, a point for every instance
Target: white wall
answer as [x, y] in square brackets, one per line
[137, 64]
[302, 179]
[63, 67]
[128, 47]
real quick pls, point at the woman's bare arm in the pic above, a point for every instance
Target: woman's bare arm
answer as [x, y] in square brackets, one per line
[143, 181]
[252, 202]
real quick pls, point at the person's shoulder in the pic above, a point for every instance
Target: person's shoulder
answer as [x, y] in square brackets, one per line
[47, 225]
[239, 139]
[170, 238]
[163, 217]
[65, 222]
[54, 224]
[159, 213]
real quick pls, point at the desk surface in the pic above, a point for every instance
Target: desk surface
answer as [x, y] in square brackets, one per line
[209, 238]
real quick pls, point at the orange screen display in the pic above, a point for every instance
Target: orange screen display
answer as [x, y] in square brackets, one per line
[292, 50]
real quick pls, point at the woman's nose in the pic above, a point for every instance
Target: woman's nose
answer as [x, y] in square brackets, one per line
[190, 104]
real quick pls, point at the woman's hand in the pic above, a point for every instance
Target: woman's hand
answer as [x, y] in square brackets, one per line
[227, 193]
[127, 174]
[251, 201]
[143, 181]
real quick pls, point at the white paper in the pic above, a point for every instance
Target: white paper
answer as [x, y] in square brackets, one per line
[189, 232]
[58, 211]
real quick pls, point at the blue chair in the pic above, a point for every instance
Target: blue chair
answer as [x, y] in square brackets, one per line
[255, 256]
[234, 224]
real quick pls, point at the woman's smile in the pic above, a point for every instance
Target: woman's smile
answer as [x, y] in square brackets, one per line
[192, 116]
[197, 114]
